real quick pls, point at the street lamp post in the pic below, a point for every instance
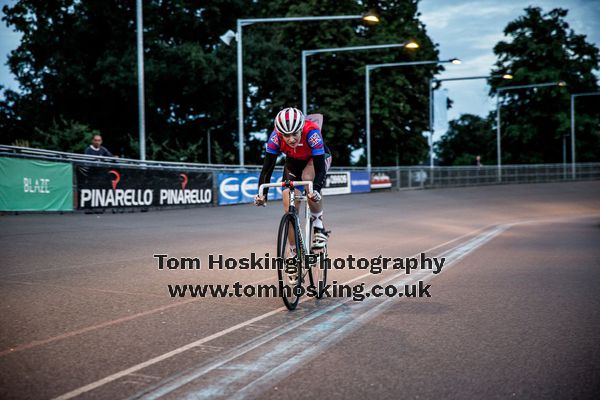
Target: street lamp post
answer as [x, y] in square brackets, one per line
[564, 155]
[208, 145]
[140, 73]
[460, 78]
[573, 96]
[307, 53]
[499, 91]
[368, 69]
[498, 141]
[240, 79]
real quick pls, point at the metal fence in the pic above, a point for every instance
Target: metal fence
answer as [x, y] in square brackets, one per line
[415, 177]
[50, 155]
[401, 177]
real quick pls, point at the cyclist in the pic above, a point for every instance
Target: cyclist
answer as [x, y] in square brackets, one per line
[307, 158]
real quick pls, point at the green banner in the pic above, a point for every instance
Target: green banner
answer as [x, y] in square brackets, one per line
[34, 185]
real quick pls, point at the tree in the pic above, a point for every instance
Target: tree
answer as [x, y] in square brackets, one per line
[336, 80]
[66, 135]
[77, 63]
[542, 48]
[467, 137]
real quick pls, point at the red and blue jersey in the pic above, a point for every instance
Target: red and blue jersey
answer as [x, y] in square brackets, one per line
[310, 144]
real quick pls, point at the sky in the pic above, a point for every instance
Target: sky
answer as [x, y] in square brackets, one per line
[470, 29]
[467, 29]
[9, 40]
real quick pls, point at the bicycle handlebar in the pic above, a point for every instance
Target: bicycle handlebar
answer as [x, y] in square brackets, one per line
[286, 184]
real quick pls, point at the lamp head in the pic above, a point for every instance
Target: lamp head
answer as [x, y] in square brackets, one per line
[227, 37]
[411, 45]
[371, 16]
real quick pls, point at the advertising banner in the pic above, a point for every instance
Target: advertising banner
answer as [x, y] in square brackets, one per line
[106, 187]
[237, 188]
[35, 185]
[337, 183]
[359, 182]
[380, 180]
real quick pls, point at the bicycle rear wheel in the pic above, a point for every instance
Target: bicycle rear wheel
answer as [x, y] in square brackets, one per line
[290, 280]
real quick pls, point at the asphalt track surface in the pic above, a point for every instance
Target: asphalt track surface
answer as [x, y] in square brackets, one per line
[515, 312]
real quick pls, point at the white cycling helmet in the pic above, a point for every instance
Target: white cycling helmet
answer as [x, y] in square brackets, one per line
[289, 120]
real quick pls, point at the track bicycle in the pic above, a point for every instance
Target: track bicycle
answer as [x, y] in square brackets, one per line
[296, 264]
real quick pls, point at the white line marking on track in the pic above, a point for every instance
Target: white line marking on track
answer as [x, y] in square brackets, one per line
[267, 366]
[83, 288]
[459, 252]
[87, 329]
[111, 378]
[74, 266]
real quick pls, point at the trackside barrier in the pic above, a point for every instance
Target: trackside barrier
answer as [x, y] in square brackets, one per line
[44, 180]
[121, 187]
[241, 187]
[360, 182]
[35, 185]
[426, 177]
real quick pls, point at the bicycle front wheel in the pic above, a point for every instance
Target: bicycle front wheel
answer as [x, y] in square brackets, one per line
[318, 272]
[289, 272]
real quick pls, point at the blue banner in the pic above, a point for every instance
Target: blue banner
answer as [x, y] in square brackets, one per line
[360, 182]
[237, 188]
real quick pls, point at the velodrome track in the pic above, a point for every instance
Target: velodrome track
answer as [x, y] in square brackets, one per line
[514, 314]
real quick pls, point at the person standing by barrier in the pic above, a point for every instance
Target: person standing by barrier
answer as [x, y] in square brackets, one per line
[96, 148]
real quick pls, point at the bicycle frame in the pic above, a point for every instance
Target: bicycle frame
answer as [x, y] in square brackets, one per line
[292, 206]
[317, 275]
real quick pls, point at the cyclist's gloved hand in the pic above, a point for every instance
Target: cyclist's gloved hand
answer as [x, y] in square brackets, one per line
[315, 196]
[260, 200]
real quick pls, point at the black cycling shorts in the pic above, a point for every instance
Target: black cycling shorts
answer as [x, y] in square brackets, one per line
[292, 170]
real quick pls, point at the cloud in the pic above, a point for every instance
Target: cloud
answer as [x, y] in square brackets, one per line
[470, 29]
[484, 42]
[443, 17]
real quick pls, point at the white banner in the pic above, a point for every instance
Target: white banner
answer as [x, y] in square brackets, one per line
[336, 183]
